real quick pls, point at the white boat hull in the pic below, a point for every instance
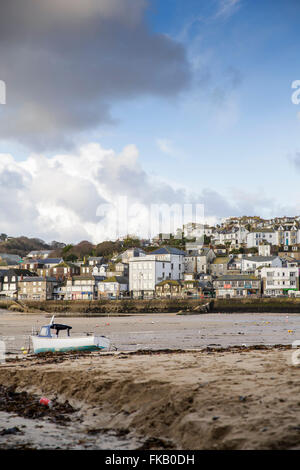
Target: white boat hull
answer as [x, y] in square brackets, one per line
[84, 343]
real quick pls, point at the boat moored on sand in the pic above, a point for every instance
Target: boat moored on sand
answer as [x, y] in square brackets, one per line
[46, 341]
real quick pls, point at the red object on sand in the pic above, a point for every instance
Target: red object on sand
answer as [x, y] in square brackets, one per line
[46, 402]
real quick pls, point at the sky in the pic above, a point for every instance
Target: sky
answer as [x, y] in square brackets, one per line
[157, 101]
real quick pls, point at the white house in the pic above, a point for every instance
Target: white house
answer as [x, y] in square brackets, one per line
[251, 263]
[278, 281]
[175, 257]
[235, 236]
[113, 287]
[100, 270]
[145, 272]
[254, 238]
[264, 249]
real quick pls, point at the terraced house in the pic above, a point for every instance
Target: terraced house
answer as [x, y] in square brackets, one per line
[230, 286]
[36, 288]
[288, 235]
[169, 289]
[10, 279]
[113, 287]
[81, 288]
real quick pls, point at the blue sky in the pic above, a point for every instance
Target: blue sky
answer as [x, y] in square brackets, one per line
[245, 138]
[226, 132]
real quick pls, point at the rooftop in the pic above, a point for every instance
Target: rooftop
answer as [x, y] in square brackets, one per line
[164, 250]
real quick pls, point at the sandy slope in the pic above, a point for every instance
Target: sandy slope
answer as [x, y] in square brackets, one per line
[195, 400]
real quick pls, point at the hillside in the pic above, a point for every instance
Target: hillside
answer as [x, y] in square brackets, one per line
[22, 245]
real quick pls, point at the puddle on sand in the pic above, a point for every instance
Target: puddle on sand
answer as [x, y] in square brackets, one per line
[42, 434]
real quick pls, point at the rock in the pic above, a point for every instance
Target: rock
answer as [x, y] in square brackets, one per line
[241, 398]
[14, 430]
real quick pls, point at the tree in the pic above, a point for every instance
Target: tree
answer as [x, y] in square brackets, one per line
[71, 257]
[108, 248]
[67, 248]
[131, 242]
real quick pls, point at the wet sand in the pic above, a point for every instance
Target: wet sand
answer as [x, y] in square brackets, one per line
[160, 331]
[234, 398]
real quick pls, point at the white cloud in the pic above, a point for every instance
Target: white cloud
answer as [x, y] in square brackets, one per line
[227, 8]
[94, 191]
[65, 196]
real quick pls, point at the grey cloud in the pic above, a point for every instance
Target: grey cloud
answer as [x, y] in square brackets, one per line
[65, 66]
[11, 180]
[136, 184]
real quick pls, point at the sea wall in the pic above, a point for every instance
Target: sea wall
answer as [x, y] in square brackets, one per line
[274, 305]
[182, 306]
[105, 306]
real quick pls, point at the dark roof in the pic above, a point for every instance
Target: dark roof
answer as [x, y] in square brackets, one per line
[165, 250]
[84, 277]
[38, 279]
[48, 261]
[118, 279]
[257, 259]
[16, 272]
[236, 277]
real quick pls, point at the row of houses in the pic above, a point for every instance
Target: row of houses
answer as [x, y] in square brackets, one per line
[164, 272]
[248, 232]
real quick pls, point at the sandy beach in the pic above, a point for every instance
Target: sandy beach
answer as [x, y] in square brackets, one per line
[192, 382]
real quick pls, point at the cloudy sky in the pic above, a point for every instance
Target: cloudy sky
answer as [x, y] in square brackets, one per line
[159, 101]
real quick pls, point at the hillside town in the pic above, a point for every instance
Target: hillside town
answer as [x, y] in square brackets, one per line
[242, 257]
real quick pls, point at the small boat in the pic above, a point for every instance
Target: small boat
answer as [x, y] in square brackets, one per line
[46, 341]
